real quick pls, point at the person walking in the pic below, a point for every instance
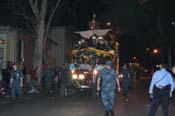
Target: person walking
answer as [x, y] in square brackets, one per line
[48, 77]
[125, 81]
[16, 83]
[132, 74]
[108, 77]
[161, 89]
[64, 80]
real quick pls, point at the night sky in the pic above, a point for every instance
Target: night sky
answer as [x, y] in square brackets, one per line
[140, 21]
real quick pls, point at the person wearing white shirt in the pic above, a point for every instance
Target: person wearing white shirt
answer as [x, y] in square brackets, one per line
[161, 90]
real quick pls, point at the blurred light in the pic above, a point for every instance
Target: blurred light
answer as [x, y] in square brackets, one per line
[155, 51]
[173, 23]
[72, 71]
[74, 76]
[100, 37]
[79, 42]
[108, 23]
[81, 77]
[147, 49]
[93, 37]
[120, 76]
[95, 72]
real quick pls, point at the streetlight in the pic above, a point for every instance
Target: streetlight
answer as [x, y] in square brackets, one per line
[156, 52]
[108, 24]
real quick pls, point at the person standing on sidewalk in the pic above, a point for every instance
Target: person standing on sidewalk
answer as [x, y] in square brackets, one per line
[108, 77]
[161, 89]
[16, 83]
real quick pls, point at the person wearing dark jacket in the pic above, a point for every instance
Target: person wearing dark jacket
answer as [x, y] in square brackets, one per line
[6, 78]
[16, 83]
[48, 78]
[125, 81]
[108, 79]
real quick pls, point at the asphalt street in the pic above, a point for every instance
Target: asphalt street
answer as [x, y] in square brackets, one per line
[82, 105]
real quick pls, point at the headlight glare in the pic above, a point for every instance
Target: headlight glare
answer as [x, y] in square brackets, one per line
[72, 71]
[74, 76]
[81, 77]
[95, 71]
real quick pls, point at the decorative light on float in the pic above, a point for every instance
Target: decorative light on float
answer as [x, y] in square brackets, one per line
[100, 37]
[93, 36]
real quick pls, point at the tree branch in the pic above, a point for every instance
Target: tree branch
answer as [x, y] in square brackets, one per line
[31, 28]
[34, 6]
[29, 21]
[50, 19]
[43, 9]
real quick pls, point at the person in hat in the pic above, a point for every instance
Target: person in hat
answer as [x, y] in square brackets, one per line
[108, 77]
[16, 83]
[161, 88]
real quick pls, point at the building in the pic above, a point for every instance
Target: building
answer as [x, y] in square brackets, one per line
[15, 46]
[64, 39]
[18, 46]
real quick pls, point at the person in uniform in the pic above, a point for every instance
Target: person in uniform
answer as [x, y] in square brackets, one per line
[64, 80]
[125, 81]
[108, 77]
[160, 89]
[16, 83]
[132, 74]
[48, 80]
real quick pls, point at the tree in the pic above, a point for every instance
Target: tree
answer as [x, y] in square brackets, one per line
[36, 17]
[42, 22]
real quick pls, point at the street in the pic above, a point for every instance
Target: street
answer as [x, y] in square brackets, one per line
[83, 105]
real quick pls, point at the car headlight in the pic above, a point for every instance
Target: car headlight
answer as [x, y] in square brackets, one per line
[74, 76]
[95, 72]
[81, 76]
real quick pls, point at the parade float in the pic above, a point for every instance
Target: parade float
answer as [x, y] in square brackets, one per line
[96, 45]
[94, 48]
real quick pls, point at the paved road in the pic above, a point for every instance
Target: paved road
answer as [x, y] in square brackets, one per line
[82, 105]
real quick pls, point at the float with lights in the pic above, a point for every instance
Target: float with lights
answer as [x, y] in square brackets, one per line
[96, 46]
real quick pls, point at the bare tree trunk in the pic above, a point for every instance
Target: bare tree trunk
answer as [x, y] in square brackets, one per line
[39, 10]
[40, 32]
